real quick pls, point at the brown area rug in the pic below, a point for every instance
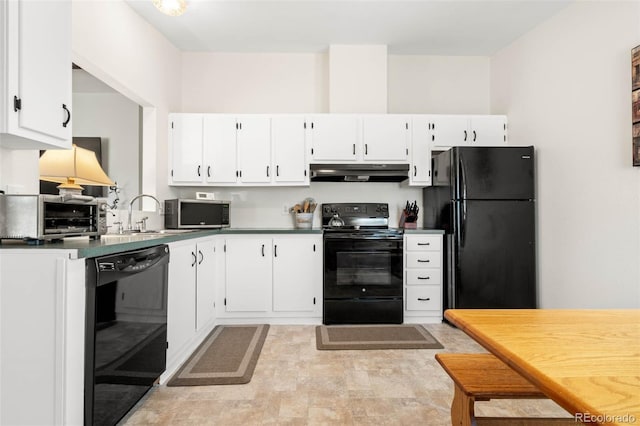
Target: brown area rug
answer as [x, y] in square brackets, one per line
[403, 336]
[227, 356]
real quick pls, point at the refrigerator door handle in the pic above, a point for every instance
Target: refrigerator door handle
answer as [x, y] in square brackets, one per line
[462, 225]
[451, 275]
[463, 178]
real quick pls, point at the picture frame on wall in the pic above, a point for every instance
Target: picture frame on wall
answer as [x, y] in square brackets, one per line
[635, 104]
[636, 144]
[635, 68]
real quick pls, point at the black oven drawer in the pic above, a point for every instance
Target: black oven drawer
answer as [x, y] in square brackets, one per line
[363, 311]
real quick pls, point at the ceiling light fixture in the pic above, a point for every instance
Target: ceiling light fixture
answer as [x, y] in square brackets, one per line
[171, 7]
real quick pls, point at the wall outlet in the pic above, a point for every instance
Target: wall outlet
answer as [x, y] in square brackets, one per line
[285, 209]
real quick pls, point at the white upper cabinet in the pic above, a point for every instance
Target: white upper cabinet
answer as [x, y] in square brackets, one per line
[289, 149]
[254, 148]
[220, 157]
[334, 137]
[185, 139]
[468, 130]
[385, 137]
[421, 139]
[488, 130]
[35, 59]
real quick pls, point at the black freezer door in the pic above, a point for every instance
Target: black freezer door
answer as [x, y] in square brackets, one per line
[486, 173]
[491, 255]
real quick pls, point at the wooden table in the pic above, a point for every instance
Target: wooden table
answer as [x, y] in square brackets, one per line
[588, 361]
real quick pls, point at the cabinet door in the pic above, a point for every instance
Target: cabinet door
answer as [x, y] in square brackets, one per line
[289, 152]
[297, 269]
[254, 149]
[334, 137]
[38, 69]
[181, 322]
[420, 171]
[385, 137]
[186, 148]
[205, 283]
[450, 130]
[219, 150]
[248, 267]
[488, 130]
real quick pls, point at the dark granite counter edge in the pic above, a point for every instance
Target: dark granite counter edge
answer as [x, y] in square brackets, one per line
[424, 231]
[84, 247]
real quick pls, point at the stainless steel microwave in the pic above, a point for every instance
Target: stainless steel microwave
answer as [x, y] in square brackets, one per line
[183, 213]
[51, 217]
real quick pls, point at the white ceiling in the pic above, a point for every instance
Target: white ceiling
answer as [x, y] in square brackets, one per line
[429, 27]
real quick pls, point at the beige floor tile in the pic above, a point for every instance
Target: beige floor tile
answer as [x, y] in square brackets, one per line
[295, 384]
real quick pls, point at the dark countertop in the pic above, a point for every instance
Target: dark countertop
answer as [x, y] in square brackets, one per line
[424, 231]
[113, 243]
[83, 247]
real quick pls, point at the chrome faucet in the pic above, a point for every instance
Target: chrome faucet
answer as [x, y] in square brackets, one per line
[130, 226]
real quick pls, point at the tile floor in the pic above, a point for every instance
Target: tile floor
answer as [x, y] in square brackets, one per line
[296, 384]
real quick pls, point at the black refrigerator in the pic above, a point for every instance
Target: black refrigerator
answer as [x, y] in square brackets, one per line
[483, 197]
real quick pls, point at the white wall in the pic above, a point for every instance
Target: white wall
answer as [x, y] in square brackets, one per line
[566, 88]
[358, 79]
[113, 43]
[438, 84]
[115, 119]
[254, 83]
[19, 171]
[263, 207]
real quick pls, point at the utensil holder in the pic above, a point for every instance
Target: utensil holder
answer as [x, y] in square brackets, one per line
[304, 220]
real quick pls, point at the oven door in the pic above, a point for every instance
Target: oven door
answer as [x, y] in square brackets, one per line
[362, 268]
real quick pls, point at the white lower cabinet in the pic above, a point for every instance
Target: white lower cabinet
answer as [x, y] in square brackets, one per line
[248, 282]
[190, 310]
[42, 321]
[297, 267]
[423, 277]
[271, 276]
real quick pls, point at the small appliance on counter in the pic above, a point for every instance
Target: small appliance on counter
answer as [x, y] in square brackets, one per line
[40, 217]
[363, 265]
[181, 213]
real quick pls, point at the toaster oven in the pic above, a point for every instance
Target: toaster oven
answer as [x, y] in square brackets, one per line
[51, 217]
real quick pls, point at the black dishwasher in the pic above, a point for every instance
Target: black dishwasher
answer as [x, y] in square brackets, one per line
[126, 330]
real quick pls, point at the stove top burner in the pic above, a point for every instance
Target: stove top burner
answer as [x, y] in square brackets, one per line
[366, 233]
[355, 217]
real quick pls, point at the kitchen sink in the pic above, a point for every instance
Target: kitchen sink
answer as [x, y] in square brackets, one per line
[141, 236]
[168, 231]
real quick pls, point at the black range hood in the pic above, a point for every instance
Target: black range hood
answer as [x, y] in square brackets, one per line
[359, 172]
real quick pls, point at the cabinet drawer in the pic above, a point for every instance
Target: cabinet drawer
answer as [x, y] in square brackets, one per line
[425, 259]
[423, 242]
[424, 298]
[432, 276]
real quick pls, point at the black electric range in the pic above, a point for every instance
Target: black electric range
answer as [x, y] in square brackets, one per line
[363, 265]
